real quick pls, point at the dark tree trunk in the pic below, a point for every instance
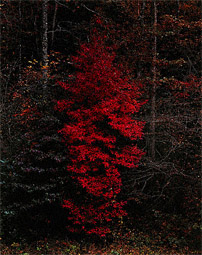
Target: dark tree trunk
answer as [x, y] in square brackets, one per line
[20, 41]
[153, 101]
[45, 42]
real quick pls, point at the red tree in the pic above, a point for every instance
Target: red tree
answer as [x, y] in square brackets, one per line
[100, 135]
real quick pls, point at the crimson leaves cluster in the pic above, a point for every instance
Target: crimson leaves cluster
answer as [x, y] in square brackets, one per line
[101, 135]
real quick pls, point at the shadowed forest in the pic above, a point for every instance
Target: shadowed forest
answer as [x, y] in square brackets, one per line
[100, 127]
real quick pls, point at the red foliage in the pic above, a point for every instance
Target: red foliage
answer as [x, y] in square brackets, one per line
[100, 134]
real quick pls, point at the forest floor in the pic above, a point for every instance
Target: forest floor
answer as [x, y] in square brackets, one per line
[64, 247]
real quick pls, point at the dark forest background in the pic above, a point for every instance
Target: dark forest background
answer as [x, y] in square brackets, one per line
[158, 43]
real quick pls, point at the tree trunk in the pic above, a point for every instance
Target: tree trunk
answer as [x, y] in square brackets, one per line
[45, 43]
[142, 13]
[153, 101]
[20, 41]
[178, 8]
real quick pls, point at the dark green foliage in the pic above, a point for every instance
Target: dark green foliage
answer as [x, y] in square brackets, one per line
[34, 175]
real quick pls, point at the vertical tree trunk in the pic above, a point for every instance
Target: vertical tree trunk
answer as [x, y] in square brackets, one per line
[138, 8]
[153, 101]
[139, 73]
[45, 42]
[20, 41]
[178, 8]
[142, 13]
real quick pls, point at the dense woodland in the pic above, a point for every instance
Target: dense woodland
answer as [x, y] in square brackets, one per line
[100, 120]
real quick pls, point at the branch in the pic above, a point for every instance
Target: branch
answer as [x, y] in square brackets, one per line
[62, 4]
[83, 5]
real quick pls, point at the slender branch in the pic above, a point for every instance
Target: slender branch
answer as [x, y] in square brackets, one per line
[90, 10]
[54, 20]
